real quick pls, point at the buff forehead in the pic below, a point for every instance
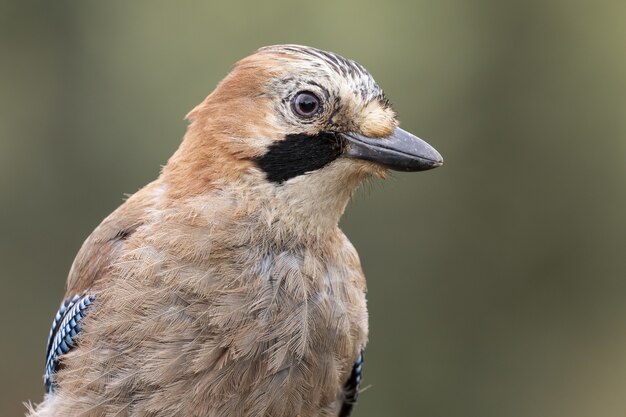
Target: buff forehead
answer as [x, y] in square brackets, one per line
[363, 103]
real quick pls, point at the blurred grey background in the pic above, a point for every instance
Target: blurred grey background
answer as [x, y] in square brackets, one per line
[497, 284]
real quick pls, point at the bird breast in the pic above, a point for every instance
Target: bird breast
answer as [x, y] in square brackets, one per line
[225, 326]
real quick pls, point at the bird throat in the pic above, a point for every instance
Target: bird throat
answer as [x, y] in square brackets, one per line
[298, 154]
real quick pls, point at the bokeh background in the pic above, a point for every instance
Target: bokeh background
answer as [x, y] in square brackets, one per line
[497, 284]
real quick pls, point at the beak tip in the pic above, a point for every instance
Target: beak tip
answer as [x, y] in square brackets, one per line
[428, 164]
[434, 160]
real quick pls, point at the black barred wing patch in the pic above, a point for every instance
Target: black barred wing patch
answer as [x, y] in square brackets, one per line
[351, 389]
[63, 332]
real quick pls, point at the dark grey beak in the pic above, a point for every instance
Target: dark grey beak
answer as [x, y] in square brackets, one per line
[400, 151]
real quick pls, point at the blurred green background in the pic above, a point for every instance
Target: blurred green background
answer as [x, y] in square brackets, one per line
[497, 284]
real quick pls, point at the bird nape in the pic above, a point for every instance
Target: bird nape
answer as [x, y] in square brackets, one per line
[225, 287]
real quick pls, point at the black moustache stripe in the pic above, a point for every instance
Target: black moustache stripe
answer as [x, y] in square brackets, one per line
[298, 154]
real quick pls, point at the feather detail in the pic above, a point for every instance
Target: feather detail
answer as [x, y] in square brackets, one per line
[63, 331]
[351, 389]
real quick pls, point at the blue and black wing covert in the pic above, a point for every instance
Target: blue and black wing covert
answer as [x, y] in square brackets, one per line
[351, 389]
[63, 333]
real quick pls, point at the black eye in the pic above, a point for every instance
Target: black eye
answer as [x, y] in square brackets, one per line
[306, 104]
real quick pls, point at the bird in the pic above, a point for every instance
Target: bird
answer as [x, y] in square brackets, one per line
[225, 287]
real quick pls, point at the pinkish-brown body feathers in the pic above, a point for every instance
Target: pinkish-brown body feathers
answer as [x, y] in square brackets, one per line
[198, 316]
[218, 292]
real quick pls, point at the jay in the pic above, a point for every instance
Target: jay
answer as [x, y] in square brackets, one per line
[225, 287]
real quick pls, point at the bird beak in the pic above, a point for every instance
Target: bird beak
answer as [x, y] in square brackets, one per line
[400, 151]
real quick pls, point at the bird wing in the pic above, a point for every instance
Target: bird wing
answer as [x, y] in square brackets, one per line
[63, 331]
[351, 389]
[101, 249]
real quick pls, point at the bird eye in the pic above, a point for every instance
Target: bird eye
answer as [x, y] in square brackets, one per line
[306, 104]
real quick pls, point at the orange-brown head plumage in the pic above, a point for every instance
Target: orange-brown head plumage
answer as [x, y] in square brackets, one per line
[250, 124]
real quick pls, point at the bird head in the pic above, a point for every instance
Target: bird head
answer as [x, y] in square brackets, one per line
[297, 124]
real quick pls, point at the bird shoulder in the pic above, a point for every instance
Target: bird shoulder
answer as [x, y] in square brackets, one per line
[106, 244]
